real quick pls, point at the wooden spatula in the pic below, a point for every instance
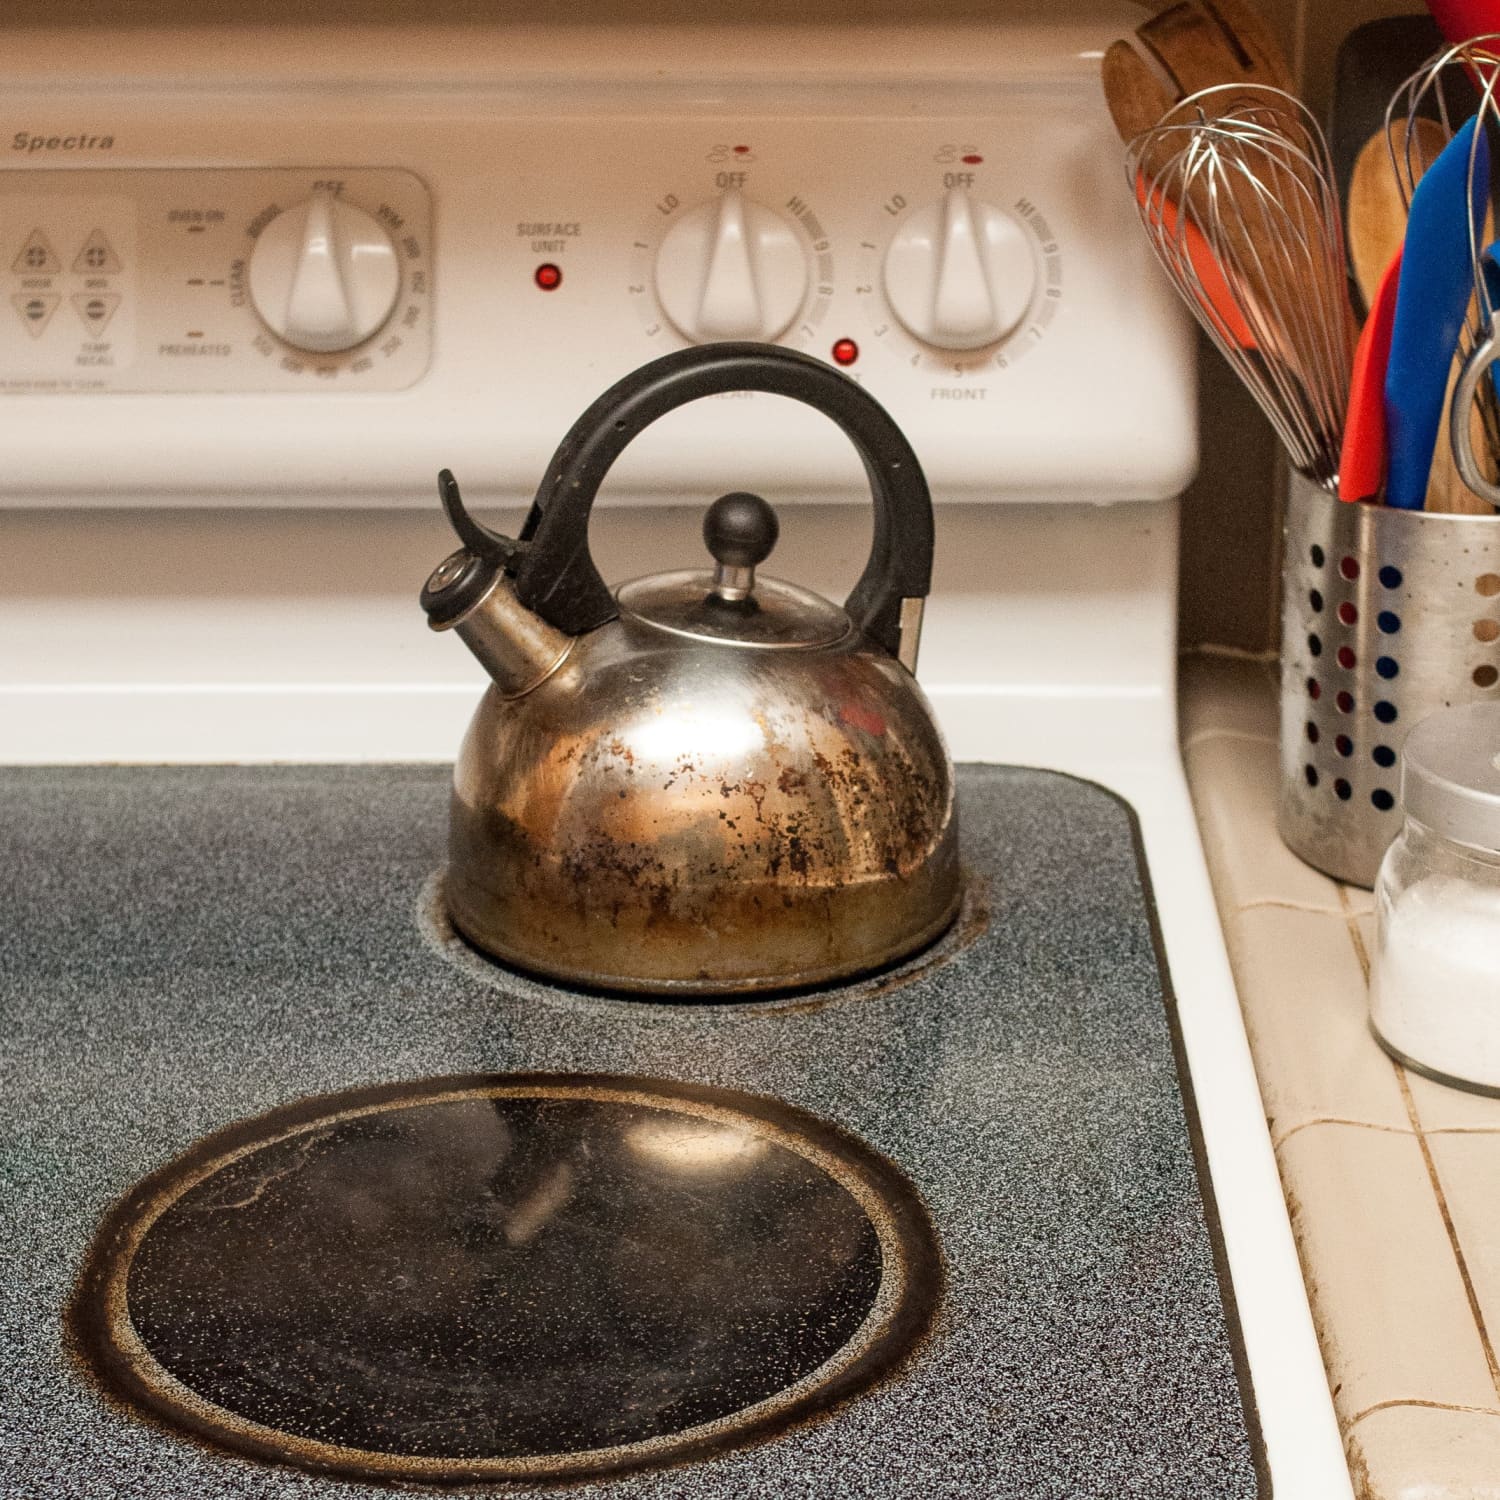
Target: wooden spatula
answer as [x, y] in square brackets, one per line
[1195, 44]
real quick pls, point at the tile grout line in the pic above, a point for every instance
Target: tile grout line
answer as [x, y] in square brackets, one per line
[1280, 903]
[1432, 1174]
[1458, 1254]
[1369, 1411]
[1350, 1124]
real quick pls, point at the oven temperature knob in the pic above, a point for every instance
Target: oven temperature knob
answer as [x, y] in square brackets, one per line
[959, 274]
[731, 269]
[324, 275]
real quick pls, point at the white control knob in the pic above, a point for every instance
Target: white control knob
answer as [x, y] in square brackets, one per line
[324, 275]
[959, 274]
[731, 270]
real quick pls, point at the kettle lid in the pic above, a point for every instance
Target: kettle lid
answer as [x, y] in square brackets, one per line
[730, 606]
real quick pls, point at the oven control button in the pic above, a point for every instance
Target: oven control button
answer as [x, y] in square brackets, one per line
[324, 275]
[959, 274]
[731, 269]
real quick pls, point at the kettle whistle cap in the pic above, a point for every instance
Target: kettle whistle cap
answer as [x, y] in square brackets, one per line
[465, 577]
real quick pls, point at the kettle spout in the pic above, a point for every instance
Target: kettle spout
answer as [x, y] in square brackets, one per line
[470, 592]
[516, 647]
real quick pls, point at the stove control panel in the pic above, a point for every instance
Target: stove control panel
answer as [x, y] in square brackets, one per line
[289, 288]
[223, 280]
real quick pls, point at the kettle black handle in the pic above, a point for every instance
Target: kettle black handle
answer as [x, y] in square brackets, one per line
[555, 575]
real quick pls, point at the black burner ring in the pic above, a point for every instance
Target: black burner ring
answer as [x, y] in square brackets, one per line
[502, 1277]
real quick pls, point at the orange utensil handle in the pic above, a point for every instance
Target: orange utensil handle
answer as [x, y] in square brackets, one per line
[1217, 302]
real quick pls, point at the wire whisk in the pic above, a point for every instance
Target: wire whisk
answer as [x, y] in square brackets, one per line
[1236, 192]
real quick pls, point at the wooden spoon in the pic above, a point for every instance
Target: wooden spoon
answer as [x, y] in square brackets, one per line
[1377, 214]
[1446, 491]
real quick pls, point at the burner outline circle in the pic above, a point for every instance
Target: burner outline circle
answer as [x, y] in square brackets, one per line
[893, 1330]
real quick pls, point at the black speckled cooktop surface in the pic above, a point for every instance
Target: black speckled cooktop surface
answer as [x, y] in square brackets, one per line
[183, 948]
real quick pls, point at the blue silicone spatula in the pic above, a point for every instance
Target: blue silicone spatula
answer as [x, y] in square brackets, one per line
[1432, 298]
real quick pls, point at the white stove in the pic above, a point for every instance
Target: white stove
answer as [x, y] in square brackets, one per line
[259, 287]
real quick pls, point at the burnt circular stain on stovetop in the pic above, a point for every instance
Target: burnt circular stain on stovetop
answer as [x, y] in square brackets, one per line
[513, 1276]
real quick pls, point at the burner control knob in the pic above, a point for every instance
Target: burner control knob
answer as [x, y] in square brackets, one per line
[959, 274]
[731, 269]
[324, 275]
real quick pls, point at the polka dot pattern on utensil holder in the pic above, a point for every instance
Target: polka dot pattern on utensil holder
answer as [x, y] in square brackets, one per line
[1345, 579]
[1387, 616]
[1486, 631]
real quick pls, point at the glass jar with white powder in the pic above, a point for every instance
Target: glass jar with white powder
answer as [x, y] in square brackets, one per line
[1435, 983]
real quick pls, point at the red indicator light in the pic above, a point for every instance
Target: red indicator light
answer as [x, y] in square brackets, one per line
[845, 352]
[972, 161]
[742, 151]
[549, 277]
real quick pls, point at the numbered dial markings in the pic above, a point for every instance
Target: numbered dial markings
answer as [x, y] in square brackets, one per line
[324, 275]
[338, 286]
[956, 284]
[743, 264]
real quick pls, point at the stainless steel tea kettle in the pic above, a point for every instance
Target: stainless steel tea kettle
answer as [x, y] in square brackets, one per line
[705, 782]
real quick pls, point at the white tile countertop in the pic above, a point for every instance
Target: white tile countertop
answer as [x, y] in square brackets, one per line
[1393, 1181]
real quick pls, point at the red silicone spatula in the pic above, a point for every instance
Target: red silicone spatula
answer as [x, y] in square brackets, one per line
[1458, 20]
[1362, 458]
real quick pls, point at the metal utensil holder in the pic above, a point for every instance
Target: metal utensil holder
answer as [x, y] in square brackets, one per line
[1387, 616]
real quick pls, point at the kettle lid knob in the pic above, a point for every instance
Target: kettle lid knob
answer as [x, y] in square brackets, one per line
[740, 530]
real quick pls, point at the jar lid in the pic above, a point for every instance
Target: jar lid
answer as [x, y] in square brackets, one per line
[1450, 774]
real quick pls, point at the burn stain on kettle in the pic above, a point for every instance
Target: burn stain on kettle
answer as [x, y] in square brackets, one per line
[435, 924]
[534, 1277]
[721, 876]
